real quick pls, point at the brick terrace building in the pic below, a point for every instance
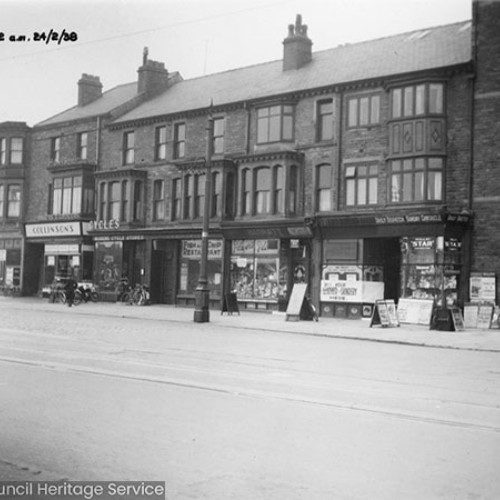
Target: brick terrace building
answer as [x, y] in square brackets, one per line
[350, 169]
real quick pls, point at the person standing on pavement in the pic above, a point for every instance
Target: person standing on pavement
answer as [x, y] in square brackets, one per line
[69, 287]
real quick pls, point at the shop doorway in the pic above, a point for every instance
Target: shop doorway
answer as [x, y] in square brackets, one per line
[392, 268]
[163, 273]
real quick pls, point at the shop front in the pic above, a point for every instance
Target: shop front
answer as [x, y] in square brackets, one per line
[265, 262]
[412, 256]
[55, 250]
[176, 266]
[119, 259]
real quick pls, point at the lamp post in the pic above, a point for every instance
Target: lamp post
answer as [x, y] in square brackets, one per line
[202, 292]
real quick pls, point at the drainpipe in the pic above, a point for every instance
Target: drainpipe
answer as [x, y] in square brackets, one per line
[339, 148]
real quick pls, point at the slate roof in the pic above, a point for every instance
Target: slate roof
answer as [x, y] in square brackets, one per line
[436, 47]
[110, 100]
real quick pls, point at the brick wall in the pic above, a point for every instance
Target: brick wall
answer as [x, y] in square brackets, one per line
[486, 133]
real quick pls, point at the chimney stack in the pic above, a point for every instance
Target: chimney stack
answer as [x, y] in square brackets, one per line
[297, 47]
[89, 89]
[153, 77]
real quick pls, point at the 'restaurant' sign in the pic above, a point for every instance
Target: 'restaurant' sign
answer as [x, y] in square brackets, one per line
[53, 229]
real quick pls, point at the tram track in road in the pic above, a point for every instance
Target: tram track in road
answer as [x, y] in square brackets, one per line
[256, 393]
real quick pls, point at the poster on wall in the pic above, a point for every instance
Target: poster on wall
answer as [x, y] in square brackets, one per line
[351, 291]
[482, 287]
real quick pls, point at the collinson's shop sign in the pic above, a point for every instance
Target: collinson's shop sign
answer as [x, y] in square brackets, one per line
[53, 229]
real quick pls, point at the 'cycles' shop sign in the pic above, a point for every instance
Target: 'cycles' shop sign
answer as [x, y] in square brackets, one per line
[53, 229]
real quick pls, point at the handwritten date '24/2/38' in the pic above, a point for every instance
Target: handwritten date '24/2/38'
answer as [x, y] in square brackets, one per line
[46, 37]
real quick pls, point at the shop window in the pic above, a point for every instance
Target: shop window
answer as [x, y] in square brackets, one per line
[255, 270]
[176, 198]
[218, 137]
[417, 100]
[190, 261]
[55, 149]
[323, 188]
[416, 180]
[199, 195]
[128, 148]
[160, 143]
[324, 121]
[361, 185]
[82, 146]
[274, 124]
[262, 190]
[215, 208]
[363, 111]
[430, 268]
[179, 140]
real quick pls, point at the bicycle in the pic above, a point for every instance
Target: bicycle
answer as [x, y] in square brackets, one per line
[85, 294]
[140, 295]
[57, 296]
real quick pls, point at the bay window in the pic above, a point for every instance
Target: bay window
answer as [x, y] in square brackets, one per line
[416, 180]
[262, 190]
[158, 200]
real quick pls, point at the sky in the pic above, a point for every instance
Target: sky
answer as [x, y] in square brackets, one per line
[194, 37]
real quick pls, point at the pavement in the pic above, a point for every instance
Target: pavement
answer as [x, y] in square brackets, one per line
[354, 329]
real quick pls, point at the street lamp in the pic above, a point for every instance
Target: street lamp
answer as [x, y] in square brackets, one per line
[202, 292]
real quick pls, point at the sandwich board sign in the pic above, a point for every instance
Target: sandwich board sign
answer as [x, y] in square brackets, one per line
[296, 301]
[384, 314]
